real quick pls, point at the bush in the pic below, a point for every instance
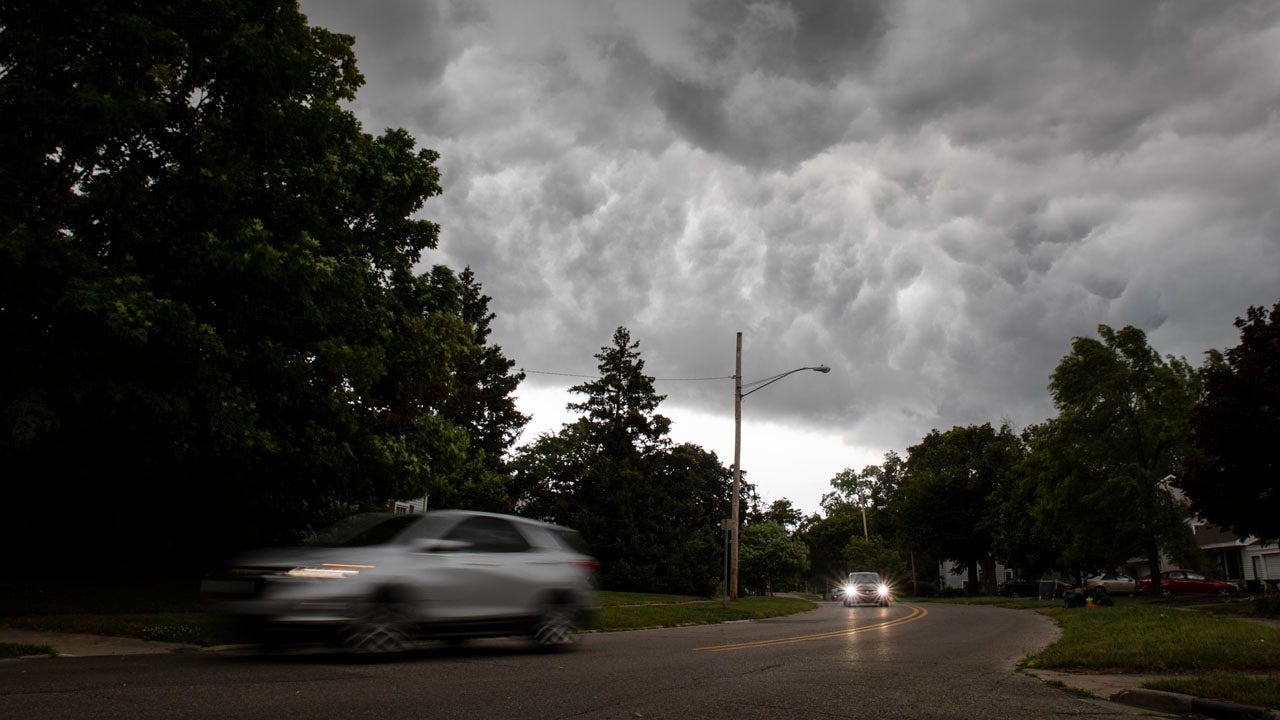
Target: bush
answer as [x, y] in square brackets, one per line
[926, 589]
[1267, 606]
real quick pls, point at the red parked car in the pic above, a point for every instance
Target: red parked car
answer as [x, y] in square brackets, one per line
[1185, 582]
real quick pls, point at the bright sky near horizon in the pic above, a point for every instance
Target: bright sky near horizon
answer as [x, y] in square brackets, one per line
[931, 198]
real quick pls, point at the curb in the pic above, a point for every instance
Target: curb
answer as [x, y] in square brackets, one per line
[1189, 705]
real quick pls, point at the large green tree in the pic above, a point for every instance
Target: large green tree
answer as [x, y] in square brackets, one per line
[866, 554]
[650, 512]
[1234, 480]
[949, 497]
[784, 513]
[770, 557]
[214, 328]
[826, 537]
[1025, 536]
[480, 400]
[1122, 430]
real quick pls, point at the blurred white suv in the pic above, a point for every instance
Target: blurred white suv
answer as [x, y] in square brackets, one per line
[377, 582]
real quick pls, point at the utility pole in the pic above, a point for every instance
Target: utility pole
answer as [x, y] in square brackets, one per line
[737, 452]
[737, 470]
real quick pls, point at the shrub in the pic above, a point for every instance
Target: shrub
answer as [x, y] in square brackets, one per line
[1267, 605]
[925, 588]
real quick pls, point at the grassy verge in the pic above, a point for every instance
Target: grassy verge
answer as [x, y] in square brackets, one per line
[1248, 690]
[1205, 654]
[1198, 642]
[17, 650]
[192, 628]
[685, 612]
[1145, 638]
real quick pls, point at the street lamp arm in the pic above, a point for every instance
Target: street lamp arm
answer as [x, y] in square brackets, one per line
[761, 384]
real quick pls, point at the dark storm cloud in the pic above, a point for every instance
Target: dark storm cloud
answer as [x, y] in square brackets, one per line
[932, 198]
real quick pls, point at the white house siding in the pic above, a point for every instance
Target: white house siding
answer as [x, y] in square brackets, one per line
[1271, 566]
[951, 580]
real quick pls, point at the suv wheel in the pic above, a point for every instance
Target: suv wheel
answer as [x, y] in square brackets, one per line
[557, 626]
[381, 625]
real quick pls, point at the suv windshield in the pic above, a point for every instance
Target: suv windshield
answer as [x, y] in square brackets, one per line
[864, 578]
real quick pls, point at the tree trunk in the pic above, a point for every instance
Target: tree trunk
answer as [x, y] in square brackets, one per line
[1153, 562]
[989, 576]
[973, 577]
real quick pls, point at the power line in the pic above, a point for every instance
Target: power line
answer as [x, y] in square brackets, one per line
[597, 377]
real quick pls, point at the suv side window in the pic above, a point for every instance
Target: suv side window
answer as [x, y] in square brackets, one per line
[489, 534]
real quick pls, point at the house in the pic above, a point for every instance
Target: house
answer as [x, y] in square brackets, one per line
[400, 507]
[1247, 562]
[950, 578]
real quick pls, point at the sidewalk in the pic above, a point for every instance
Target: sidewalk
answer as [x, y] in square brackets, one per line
[1127, 689]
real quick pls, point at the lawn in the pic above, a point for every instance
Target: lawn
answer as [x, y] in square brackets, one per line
[1202, 644]
[1142, 637]
[17, 650]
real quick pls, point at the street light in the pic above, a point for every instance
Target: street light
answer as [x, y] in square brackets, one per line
[731, 588]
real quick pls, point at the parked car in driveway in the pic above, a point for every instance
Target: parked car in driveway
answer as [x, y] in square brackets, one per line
[1186, 582]
[1115, 583]
[376, 582]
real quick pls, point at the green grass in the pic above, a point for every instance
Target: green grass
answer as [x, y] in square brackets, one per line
[1078, 692]
[17, 650]
[191, 628]
[1207, 651]
[1148, 638]
[1263, 690]
[610, 598]
[705, 612]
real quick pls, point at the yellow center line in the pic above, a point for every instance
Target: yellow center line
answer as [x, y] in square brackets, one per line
[915, 614]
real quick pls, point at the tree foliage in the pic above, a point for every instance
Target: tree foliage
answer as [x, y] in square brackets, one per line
[649, 511]
[1122, 429]
[950, 492]
[826, 538]
[215, 331]
[783, 513]
[769, 557]
[872, 554]
[1235, 481]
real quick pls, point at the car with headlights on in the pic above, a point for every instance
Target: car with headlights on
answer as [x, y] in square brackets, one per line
[865, 588]
[377, 582]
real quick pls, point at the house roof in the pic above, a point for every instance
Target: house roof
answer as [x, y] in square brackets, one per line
[1212, 536]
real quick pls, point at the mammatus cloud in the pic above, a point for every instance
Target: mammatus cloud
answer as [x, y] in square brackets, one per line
[931, 198]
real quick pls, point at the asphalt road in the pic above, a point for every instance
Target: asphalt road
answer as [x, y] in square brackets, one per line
[906, 661]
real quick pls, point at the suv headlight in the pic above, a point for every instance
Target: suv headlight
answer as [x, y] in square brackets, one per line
[882, 590]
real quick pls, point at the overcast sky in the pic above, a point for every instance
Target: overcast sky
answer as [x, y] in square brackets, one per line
[932, 198]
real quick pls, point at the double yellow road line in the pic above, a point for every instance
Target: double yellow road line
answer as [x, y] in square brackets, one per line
[915, 614]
